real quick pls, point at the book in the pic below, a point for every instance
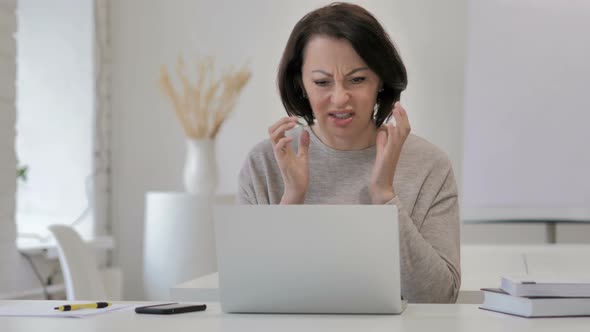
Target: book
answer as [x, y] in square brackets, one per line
[546, 286]
[496, 299]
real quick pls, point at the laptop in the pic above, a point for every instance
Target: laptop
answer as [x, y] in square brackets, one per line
[308, 259]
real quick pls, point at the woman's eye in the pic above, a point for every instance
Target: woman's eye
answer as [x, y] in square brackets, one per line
[357, 80]
[322, 82]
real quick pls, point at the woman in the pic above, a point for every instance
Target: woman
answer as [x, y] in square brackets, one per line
[341, 73]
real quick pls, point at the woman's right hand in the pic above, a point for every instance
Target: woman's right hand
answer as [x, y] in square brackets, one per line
[294, 166]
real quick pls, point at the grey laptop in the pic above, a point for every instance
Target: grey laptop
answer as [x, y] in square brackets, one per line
[308, 259]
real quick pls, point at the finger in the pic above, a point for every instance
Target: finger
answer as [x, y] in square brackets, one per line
[280, 131]
[400, 108]
[381, 141]
[281, 122]
[282, 143]
[401, 119]
[391, 131]
[303, 144]
[397, 107]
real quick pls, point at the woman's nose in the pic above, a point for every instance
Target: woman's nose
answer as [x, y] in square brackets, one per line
[340, 96]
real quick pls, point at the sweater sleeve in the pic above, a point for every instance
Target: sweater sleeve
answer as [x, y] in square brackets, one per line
[246, 195]
[430, 250]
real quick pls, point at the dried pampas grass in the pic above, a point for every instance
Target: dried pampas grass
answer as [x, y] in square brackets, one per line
[202, 108]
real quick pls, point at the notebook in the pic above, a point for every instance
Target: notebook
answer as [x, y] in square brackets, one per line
[546, 285]
[497, 300]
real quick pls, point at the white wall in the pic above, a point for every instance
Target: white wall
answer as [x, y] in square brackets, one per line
[432, 38]
[148, 146]
[526, 111]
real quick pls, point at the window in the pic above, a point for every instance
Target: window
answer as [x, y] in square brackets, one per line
[55, 114]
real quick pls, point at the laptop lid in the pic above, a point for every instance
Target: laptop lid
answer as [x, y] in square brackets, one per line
[308, 258]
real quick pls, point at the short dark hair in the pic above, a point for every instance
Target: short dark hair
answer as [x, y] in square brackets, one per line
[368, 38]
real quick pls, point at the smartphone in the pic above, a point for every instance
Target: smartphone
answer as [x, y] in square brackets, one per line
[170, 308]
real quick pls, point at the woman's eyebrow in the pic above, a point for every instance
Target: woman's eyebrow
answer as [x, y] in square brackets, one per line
[350, 73]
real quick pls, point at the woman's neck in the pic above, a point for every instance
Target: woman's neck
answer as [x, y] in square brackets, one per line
[365, 140]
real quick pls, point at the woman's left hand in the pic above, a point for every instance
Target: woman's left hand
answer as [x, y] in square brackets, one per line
[390, 139]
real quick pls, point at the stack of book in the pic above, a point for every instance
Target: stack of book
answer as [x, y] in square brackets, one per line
[540, 296]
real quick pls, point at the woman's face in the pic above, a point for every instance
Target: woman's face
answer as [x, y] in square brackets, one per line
[341, 89]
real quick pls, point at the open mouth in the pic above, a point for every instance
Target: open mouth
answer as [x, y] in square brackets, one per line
[341, 118]
[341, 115]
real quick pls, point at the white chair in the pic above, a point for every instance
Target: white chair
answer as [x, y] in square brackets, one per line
[80, 272]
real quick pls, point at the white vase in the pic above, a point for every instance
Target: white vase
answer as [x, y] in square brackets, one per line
[200, 168]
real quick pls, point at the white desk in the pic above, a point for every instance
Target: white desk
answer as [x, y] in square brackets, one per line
[482, 266]
[417, 317]
[33, 247]
[206, 288]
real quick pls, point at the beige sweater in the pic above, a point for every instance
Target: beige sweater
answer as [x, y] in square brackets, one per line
[426, 199]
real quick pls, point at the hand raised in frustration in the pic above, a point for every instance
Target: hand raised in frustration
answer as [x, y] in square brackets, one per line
[390, 140]
[294, 166]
